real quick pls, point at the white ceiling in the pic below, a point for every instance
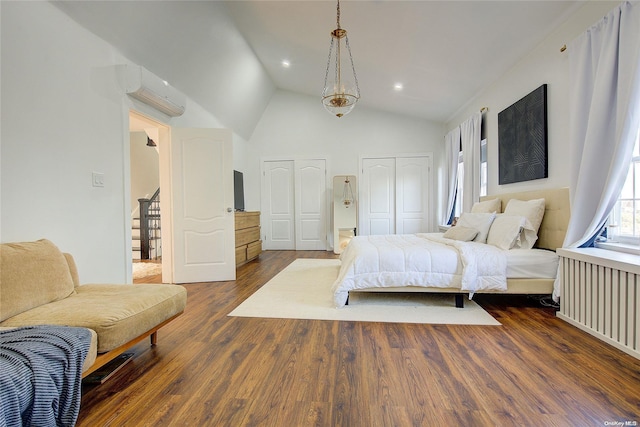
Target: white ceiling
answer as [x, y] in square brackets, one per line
[443, 52]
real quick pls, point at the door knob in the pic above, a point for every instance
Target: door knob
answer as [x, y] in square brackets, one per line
[229, 210]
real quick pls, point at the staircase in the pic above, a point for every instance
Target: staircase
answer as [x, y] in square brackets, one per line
[146, 231]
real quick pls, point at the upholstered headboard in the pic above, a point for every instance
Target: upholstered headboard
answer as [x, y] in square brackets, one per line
[556, 216]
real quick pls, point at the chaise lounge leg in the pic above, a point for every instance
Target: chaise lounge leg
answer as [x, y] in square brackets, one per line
[459, 301]
[154, 338]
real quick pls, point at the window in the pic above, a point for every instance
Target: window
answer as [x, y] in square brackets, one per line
[624, 221]
[483, 167]
[457, 206]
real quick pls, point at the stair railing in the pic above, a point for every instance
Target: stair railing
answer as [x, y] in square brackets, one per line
[150, 230]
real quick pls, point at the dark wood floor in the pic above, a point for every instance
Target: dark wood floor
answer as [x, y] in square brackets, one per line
[209, 369]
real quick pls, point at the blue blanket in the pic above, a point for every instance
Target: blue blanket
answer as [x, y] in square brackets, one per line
[41, 375]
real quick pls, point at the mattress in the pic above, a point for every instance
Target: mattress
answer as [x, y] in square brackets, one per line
[421, 260]
[531, 264]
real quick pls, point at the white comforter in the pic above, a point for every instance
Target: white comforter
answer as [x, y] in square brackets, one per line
[424, 259]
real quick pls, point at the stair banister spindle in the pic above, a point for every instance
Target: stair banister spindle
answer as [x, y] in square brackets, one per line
[150, 225]
[144, 228]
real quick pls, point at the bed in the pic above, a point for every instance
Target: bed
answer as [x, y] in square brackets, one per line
[396, 263]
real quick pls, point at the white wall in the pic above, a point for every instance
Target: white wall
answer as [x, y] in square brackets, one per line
[545, 64]
[60, 123]
[65, 116]
[145, 169]
[298, 125]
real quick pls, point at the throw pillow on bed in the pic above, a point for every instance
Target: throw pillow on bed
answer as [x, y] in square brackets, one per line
[464, 234]
[533, 210]
[511, 231]
[487, 206]
[478, 221]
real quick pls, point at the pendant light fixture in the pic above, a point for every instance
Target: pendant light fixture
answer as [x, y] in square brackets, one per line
[341, 91]
[347, 192]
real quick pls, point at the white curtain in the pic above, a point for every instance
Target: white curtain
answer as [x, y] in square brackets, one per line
[604, 70]
[470, 136]
[452, 150]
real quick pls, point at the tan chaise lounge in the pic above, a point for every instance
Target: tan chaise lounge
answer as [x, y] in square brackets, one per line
[39, 285]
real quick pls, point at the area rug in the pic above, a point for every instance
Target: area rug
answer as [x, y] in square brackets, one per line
[144, 269]
[303, 291]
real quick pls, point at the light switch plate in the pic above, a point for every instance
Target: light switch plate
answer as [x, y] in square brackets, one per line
[97, 179]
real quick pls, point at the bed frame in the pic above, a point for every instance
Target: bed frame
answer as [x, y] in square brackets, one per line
[550, 236]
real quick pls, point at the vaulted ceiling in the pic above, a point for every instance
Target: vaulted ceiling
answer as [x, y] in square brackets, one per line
[443, 52]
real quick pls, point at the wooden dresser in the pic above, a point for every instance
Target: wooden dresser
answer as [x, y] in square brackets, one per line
[248, 243]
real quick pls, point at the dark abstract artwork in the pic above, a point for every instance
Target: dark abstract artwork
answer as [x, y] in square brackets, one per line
[522, 139]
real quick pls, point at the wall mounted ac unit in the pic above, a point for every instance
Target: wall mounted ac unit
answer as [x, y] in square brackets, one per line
[145, 86]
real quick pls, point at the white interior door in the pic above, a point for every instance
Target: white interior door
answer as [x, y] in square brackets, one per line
[202, 197]
[278, 210]
[395, 194]
[377, 196]
[311, 204]
[412, 195]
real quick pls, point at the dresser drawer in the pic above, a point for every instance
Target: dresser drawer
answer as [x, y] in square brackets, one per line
[247, 220]
[254, 249]
[241, 254]
[248, 244]
[247, 235]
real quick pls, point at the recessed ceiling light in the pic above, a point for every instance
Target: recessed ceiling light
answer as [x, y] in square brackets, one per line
[398, 87]
[285, 63]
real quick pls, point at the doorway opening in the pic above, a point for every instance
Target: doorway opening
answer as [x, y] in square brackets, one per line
[149, 221]
[196, 207]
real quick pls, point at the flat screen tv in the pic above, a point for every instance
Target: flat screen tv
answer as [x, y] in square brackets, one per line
[238, 191]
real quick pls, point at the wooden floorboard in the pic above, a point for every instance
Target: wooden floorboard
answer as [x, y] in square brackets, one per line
[210, 369]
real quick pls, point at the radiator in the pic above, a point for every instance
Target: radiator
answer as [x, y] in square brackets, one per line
[600, 294]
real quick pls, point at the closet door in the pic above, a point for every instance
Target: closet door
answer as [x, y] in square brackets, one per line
[412, 195]
[377, 196]
[311, 204]
[278, 210]
[395, 195]
[294, 200]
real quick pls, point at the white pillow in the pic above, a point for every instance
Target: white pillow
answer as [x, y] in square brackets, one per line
[479, 221]
[464, 234]
[533, 210]
[488, 206]
[511, 231]
[528, 237]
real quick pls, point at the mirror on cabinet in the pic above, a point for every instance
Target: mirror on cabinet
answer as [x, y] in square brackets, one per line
[345, 211]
